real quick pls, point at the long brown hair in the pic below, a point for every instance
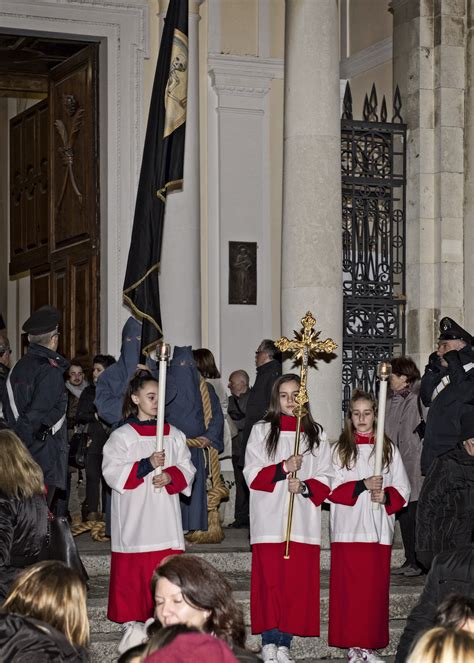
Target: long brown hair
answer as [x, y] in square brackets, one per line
[204, 588]
[139, 380]
[20, 475]
[206, 363]
[53, 593]
[311, 429]
[346, 447]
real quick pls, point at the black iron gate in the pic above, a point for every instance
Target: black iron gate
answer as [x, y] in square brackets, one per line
[373, 239]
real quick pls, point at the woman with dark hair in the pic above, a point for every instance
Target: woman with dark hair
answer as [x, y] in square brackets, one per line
[44, 617]
[403, 425]
[23, 509]
[361, 537]
[188, 590]
[284, 598]
[88, 422]
[146, 517]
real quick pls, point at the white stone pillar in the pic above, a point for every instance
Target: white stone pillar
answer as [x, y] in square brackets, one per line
[180, 275]
[429, 66]
[312, 235]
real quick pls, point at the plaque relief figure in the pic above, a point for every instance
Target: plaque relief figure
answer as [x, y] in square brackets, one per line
[242, 273]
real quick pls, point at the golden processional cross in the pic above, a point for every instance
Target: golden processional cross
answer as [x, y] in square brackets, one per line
[304, 346]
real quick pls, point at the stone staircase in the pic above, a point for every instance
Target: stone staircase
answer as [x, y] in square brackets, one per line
[232, 557]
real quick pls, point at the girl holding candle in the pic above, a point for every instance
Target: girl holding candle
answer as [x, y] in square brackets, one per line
[284, 598]
[146, 523]
[361, 538]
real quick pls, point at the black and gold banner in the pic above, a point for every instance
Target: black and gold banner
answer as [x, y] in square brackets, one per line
[161, 171]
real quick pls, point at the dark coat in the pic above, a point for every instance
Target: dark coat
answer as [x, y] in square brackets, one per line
[452, 572]
[236, 410]
[37, 381]
[445, 514]
[86, 415]
[259, 399]
[443, 423]
[28, 640]
[23, 530]
[4, 370]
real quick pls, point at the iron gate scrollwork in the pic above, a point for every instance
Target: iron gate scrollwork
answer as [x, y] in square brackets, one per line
[373, 239]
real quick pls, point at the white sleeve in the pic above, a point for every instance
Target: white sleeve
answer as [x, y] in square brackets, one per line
[324, 468]
[255, 454]
[399, 478]
[116, 464]
[183, 459]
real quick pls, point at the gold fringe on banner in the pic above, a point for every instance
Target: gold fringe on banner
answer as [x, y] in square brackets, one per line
[218, 490]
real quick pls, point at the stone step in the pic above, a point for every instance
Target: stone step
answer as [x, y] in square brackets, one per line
[103, 648]
[403, 596]
[98, 563]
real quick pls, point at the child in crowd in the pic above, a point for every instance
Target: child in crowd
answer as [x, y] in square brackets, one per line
[361, 537]
[146, 522]
[284, 598]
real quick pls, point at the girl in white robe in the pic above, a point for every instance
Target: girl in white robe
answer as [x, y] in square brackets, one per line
[284, 598]
[361, 537]
[146, 523]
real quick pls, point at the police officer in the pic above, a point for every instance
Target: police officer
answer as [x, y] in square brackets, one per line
[447, 386]
[37, 400]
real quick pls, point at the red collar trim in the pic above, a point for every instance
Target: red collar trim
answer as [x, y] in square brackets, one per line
[147, 429]
[288, 423]
[360, 438]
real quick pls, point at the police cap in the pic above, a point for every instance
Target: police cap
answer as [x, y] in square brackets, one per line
[451, 331]
[42, 321]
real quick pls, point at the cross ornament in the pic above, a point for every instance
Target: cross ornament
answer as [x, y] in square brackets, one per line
[305, 345]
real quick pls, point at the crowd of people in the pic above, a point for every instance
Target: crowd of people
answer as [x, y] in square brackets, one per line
[54, 421]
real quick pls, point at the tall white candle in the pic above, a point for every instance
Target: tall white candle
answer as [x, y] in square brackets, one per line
[384, 373]
[163, 353]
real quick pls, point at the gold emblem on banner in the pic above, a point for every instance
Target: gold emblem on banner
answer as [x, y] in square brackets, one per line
[177, 86]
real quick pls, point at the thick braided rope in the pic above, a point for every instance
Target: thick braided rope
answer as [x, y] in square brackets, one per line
[218, 490]
[95, 527]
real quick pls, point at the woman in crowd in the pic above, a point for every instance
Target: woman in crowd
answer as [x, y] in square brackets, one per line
[442, 645]
[403, 425]
[97, 431]
[188, 590]
[361, 538]
[44, 617]
[146, 517]
[23, 509]
[206, 365]
[284, 598]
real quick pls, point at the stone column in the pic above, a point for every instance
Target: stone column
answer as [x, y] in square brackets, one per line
[312, 235]
[180, 276]
[429, 67]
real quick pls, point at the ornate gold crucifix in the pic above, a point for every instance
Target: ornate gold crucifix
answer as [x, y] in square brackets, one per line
[304, 346]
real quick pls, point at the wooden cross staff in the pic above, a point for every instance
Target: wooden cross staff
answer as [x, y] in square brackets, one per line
[304, 346]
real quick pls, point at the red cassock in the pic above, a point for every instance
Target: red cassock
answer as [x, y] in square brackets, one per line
[361, 548]
[285, 592]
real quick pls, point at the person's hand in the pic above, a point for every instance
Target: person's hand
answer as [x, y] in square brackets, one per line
[204, 442]
[373, 483]
[157, 459]
[295, 486]
[377, 496]
[293, 463]
[161, 480]
[434, 362]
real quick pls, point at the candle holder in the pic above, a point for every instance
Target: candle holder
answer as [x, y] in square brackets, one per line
[384, 370]
[163, 351]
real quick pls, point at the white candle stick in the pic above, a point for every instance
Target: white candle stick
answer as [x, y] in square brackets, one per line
[163, 352]
[384, 373]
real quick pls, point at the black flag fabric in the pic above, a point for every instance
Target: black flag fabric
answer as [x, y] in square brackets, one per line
[161, 171]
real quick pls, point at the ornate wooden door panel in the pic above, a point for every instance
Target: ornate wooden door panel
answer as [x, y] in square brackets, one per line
[74, 200]
[29, 188]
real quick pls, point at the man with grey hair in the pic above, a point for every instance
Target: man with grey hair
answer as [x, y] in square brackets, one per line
[239, 382]
[36, 404]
